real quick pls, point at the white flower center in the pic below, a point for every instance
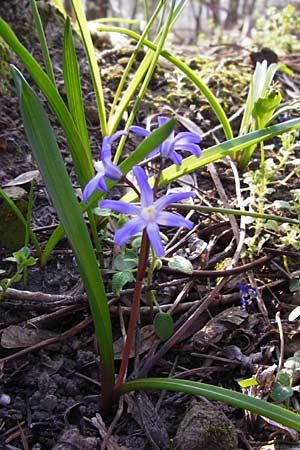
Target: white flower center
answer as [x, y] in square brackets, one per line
[149, 213]
[99, 167]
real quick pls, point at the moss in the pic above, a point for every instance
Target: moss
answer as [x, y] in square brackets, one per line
[5, 74]
[205, 427]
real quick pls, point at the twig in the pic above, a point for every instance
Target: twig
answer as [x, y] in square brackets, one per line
[215, 177]
[182, 331]
[281, 336]
[67, 334]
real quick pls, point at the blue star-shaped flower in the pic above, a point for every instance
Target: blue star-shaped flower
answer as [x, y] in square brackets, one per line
[149, 215]
[182, 141]
[105, 168]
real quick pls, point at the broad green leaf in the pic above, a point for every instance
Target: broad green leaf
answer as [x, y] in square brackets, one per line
[280, 393]
[83, 165]
[73, 88]
[236, 399]
[163, 325]
[119, 280]
[181, 264]
[94, 69]
[48, 157]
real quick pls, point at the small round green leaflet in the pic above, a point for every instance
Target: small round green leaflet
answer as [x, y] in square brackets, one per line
[163, 325]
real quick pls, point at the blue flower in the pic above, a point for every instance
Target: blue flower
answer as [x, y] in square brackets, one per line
[182, 141]
[105, 168]
[247, 294]
[149, 215]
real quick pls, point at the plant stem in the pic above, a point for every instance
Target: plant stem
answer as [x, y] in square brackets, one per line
[135, 307]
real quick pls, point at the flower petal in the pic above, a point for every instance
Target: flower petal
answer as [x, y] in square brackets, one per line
[161, 120]
[139, 130]
[97, 182]
[193, 148]
[105, 151]
[169, 219]
[112, 171]
[128, 230]
[146, 192]
[155, 239]
[166, 200]
[186, 137]
[175, 157]
[122, 207]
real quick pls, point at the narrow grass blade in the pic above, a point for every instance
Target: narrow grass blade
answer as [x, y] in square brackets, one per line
[235, 212]
[83, 166]
[23, 220]
[218, 151]
[113, 125]
[47, 154]
[43, 42]
[204, 89]
[257, 406]
[148, 75]
[73, 88]
[94, 69]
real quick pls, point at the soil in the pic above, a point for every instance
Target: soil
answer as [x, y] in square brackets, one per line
[49, 365]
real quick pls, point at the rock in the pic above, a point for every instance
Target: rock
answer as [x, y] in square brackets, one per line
[12, 231]
[205, 427]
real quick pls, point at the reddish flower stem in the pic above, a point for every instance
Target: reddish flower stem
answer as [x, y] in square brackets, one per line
[143, 258]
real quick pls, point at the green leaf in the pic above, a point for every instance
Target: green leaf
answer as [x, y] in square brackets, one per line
[94, 69]
[101, 212]
[119, 280]
[248, 382]
[281, 204]
[47, 154]
[204, 89]
[125, 262]
[217, 152]
[294, 285]
[73, 88]
[163, 325]
[284, 378]
[181, 264]
[280, 393]
[143, 149]
[42, 39]
[83, 165]
[236, 399]
[293, 363]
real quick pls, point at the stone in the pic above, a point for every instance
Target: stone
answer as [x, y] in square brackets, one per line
[205, 427]
[12, 231]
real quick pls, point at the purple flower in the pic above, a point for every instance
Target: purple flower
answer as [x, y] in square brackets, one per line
[149, 215]
[247, 294]
[183, 141]
[105, 168]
